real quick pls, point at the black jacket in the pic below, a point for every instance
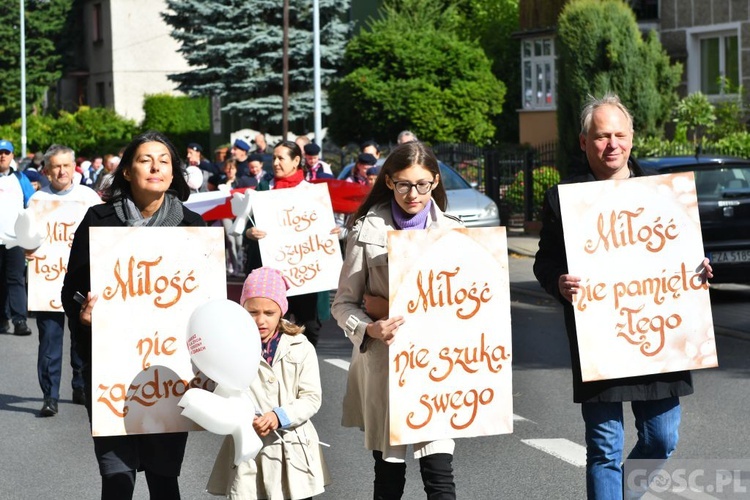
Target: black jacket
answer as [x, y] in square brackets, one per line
[78, 276]
[551, 262]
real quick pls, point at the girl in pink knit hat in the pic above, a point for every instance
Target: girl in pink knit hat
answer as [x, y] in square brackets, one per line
[287, 390]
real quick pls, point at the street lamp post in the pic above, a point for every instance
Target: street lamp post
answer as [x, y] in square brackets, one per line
[316, 73]
[23, 81]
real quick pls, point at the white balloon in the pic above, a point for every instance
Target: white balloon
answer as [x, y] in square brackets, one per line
[194, 177]
[225, 416]
[224, 343]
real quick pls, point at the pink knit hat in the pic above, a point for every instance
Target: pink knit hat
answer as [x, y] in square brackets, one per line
[267, 283]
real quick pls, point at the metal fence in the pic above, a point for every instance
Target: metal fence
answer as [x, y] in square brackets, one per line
[500, 171]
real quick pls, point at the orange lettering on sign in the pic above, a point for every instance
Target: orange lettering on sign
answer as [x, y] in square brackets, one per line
[148, 346]
[457, 402]
[439, 291]
[619, 231]
[139, 280]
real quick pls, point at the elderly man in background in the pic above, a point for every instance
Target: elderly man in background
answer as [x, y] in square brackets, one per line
[59, 165]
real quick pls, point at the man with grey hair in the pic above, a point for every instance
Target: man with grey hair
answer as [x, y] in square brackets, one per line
[59, 167]
[406, 136]
[607, 138]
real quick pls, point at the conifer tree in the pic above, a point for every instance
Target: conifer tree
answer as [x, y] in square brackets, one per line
[234, 49]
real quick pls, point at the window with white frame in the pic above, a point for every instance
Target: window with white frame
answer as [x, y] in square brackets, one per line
[714, 58]
[720, 58]
[539, 75]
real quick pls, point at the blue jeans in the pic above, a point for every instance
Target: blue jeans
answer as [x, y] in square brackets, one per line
[657, 423]
[49, 358]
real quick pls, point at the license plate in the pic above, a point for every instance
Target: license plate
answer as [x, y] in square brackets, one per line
[730, 256]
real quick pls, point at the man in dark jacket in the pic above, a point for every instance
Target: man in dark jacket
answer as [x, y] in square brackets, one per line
[606, 138]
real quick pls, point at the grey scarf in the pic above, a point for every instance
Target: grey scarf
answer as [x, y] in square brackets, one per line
[168, 214]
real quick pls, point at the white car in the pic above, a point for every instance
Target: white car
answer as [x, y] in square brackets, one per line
[472, 207]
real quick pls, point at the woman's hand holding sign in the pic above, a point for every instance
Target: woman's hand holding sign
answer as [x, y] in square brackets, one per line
[385, 329]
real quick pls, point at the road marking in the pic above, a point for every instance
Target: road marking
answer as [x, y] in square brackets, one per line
[344, 365]
[340, 363]
[563, 449]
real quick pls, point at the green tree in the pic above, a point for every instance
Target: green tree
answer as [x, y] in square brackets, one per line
[600, 49]
[410, 69]
[696, 114]
[88, 131]
[235, 51]
[492, 23]
[44, 26]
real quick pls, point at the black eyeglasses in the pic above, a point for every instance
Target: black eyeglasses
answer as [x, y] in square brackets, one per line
[404, 187]
[4, 152]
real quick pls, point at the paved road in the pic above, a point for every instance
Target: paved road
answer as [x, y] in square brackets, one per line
[53, 458]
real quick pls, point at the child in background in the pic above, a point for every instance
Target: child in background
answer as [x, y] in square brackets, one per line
[290, 465]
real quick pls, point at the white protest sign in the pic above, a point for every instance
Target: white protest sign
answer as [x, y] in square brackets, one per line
[450, 363]
[58, 220]
[149, 281]
[298, 242]
[636, 245]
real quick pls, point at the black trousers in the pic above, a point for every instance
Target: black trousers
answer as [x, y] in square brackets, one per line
[436, 471]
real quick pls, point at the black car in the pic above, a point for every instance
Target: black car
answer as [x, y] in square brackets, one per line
[723, 186]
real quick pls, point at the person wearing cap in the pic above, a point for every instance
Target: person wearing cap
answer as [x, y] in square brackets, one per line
[195, 159]
[255, 165]
[372, 175]
[239, 152]
[314, 167]
[34, 177]
[15, 191]
[359, 172]
[288, 393]
[59, 167]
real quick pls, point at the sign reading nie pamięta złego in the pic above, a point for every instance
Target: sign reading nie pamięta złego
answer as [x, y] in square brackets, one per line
[643, 306]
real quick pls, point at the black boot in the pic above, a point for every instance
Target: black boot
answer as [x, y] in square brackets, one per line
[437, 476]
[390, 478]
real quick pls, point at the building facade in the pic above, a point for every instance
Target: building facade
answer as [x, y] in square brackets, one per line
[711, 38]
[125, 53]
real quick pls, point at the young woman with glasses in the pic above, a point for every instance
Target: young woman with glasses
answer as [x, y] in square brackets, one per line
[407, 195]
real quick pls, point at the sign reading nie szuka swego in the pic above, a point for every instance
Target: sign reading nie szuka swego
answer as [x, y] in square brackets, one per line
[149, 281]
[643, 307]
[450, 364]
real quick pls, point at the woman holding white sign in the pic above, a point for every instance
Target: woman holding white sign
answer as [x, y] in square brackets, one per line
[288, 173]
[147, 189]
[407, 195]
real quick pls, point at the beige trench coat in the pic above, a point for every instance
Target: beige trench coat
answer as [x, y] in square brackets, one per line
[292, 466]
[365, 271]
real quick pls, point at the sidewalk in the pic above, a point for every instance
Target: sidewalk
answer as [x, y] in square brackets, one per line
[728, 301]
